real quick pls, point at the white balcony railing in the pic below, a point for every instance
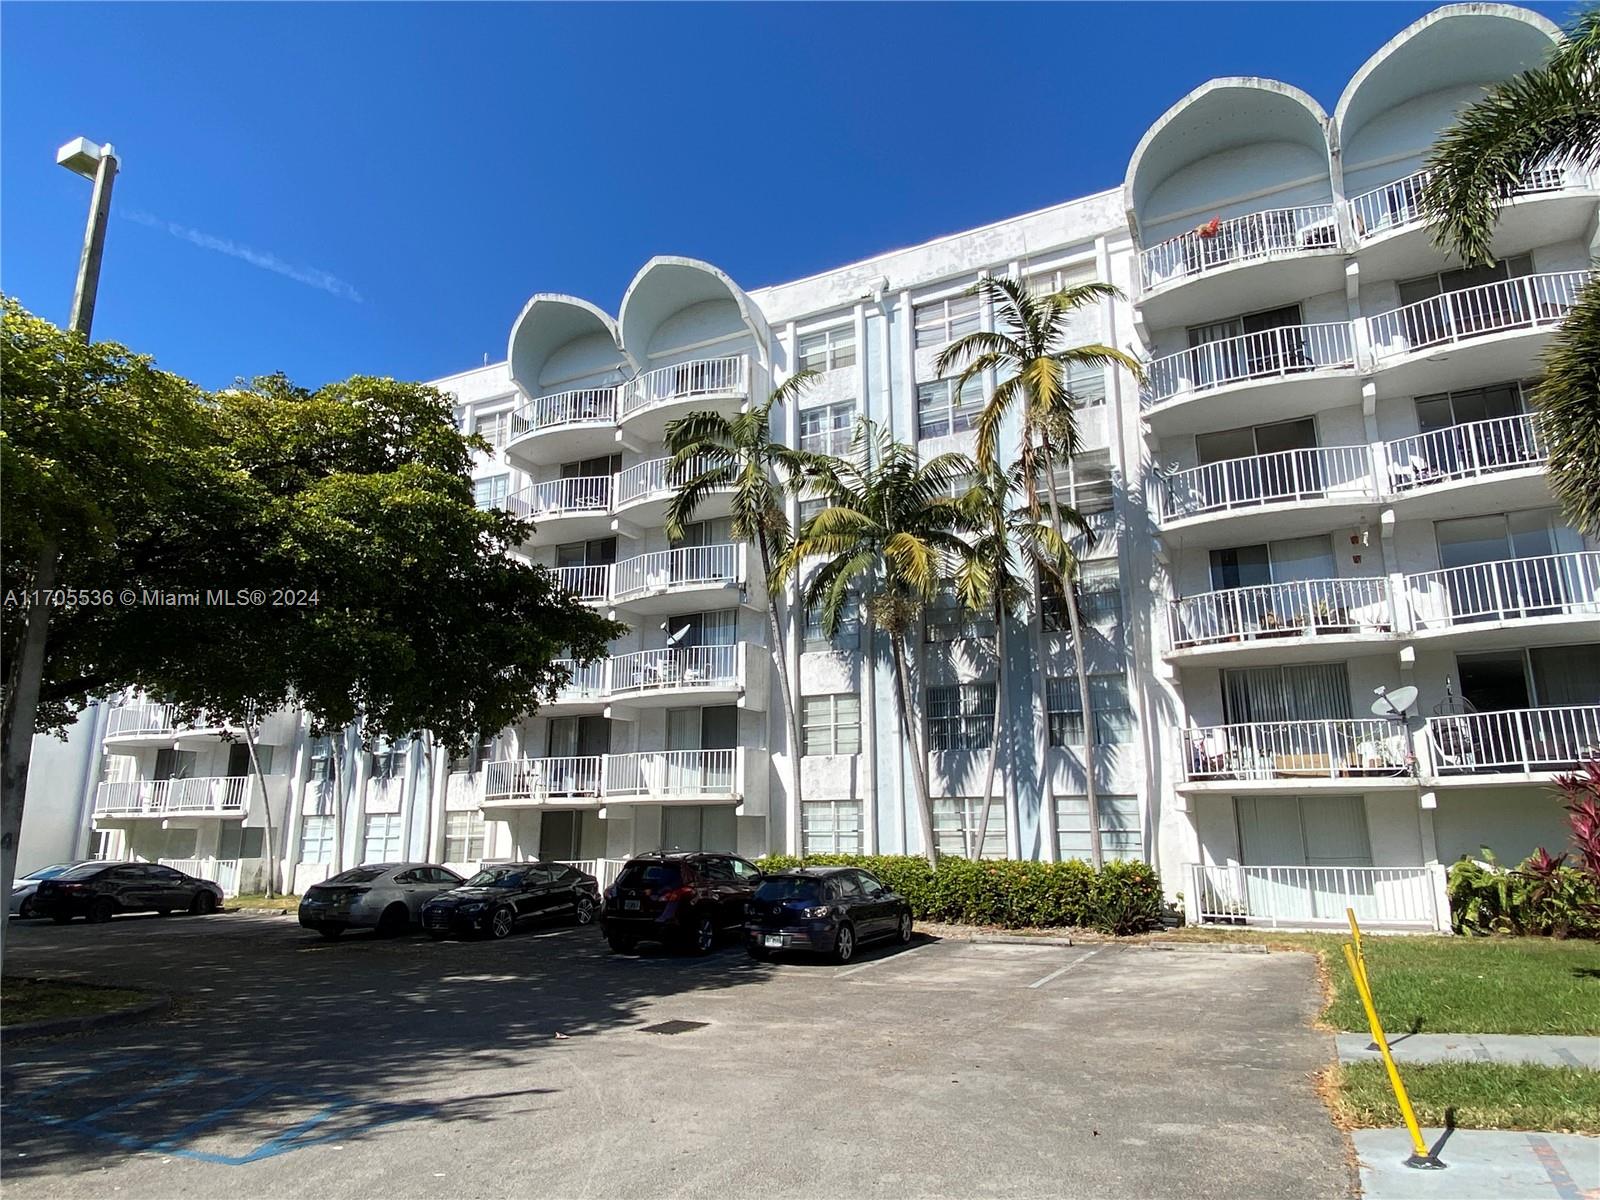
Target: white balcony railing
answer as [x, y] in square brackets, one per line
[1272, 233]
[583, 406]
[1316, 473]
[541, 779]
[208, 796]
[1288, 895]
[562, 497]
[669, 570]
[1283, 351]
[671, 774]
[656, 477]
[1515, 741]
[678, 667]
[1509, 590]
[1304, 608]
[1523, 302]
[605, 870]
[1464, 451]
[1399, 204]
[586, 583]
[1297, 750]
[587, 683]
[686, 381]
[224, 872]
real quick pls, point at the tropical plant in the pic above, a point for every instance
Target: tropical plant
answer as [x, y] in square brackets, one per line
[889, 533]
[1031, 353]
[711, 452]
[1581, 798]
[1543, 897]
[1547, 114]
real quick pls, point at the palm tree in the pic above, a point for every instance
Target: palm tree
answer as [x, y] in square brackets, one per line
[1546, 114]
[710, 452]
[1032, 354]
[887, 533]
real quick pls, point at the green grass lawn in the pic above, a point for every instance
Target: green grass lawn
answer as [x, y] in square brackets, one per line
[25, 1000]
[1482, 1095]
[259, 902]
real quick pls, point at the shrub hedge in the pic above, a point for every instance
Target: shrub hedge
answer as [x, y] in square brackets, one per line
[1123, 897]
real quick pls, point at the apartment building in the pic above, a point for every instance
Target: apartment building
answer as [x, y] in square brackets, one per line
[1328, 486]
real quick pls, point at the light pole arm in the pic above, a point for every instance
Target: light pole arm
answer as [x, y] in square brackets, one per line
[94, 244]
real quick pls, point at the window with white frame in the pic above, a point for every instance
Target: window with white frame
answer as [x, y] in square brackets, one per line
[463, 837]
[948, 620]
[489, 491]
[955, 826]
[1120, 834]
[389, 760]
[849, 635]
[495, 428]
[810, 507]
[1108, 695]
[828, 428]
[828, 349]
[961, 716]
[830, 827]
[941, 321]
[831, 724]
[381, 840]
[942, 411]
[1099, 589]
[1086, 385]
[316, 840]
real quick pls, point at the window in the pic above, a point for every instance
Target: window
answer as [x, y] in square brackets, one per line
[849, 635]
[831, 724]
[482, 751]
[955, 826]
[949, 621]
[1120, 834]
[1087, 385]
[828, 428]
[1108, 695]
[382, 840]
[1445, 410]
[830, 827]
[463, 837]
[961, 717]
[495, 427]
[941, 412]
[941, 321]
[491, 491]
[100, 843]
[390, 761]
[1099, 590]
[316, 840]
[810, 507]
[828, 349]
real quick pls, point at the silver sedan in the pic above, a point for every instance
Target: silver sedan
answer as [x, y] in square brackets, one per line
[387, 897]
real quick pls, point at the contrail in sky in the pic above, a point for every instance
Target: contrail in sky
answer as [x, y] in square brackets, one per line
[310, 276]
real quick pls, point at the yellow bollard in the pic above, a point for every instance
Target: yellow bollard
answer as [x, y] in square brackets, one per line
[1421, 1158]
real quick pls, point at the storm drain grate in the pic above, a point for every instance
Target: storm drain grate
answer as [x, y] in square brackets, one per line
[674, 1026]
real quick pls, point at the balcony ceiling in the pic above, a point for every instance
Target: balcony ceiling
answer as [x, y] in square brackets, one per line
[549, 322]
[668, 284]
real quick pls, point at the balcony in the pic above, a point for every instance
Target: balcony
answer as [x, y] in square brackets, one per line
[1249, 262]
[1283, 622]
[674, 777]
[542, 782]
[592, 585]
[1427, 470]
[649, 401]
[645, 490]
[1252, 369]
[1543, 595]
[680, 674]
[132, 725]
[214, 796]
[657, 582]
[584, 691]
[224, 872]
[1267, 495]
[565, 509]
[1323, 754]
[1519, 743]
[576, 424]
[1455, 339]
[1294, 896]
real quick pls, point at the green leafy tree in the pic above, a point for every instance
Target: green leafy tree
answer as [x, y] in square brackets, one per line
[1548, 114]
[711, 452]
[889, 533]
[1031, 353]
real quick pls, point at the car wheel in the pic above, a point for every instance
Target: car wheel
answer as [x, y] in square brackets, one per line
[583, 914]
[905, 927]
[330, 931]
[394, 921]
[620, 944]
[501, 923]
[203, 904]
[844, 944]
[60, 918]
[704, 935]
[25, 909]
[101, 910]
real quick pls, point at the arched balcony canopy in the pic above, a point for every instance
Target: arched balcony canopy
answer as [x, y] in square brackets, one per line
[677, 303]
[1410, 90]
[1230, 147]
[557, 339]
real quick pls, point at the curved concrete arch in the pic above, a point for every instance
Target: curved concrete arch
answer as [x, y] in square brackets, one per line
[548, 321]
[669, 283]
[1196, 128]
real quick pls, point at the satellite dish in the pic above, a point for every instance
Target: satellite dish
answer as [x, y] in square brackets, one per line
[1393, 705]
[677, 636]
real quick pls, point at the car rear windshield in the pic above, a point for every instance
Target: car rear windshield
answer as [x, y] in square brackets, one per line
[358, 875]
[49, 872]
[496, 877]
[790, 888]
[87, 871]
[650, 875]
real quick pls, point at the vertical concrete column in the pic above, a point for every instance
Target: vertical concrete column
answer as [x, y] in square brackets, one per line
[866, 664]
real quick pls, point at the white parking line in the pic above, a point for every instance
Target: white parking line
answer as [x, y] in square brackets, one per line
[1060, 971]
[874, 962]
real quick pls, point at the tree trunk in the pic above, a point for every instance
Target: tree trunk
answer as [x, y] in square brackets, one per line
[20, 712]
[780, 654]
[1069, 596]
[266, 809]
[919, 756]
[337, 749]
[994, 730]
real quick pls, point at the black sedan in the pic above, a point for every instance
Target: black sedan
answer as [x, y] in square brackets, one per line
[497, 898]
[97, 891]
[827, 910]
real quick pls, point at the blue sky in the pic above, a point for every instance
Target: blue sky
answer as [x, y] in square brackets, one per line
[341, 188]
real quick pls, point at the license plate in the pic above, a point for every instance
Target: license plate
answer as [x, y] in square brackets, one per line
[630, 904]
[773, 940]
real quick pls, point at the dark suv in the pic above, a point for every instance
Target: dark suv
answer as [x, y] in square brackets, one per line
[683, 899]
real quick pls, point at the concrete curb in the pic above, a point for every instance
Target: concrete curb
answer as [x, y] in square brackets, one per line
[1018, 939]
[67, 1025]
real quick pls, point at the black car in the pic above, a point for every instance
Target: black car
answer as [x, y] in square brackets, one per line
[494, 900]
[682, 899]
[828, 910]
[97, 891]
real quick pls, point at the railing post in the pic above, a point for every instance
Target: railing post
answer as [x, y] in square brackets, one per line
[1522, 742]
[1439, 885]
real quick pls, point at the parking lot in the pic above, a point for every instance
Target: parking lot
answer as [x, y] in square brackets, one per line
[542, 1065]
